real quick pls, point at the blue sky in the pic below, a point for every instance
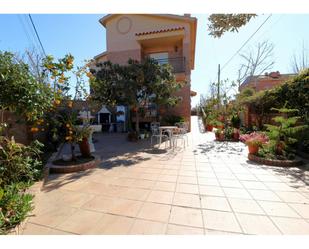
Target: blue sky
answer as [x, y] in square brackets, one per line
[83, 36]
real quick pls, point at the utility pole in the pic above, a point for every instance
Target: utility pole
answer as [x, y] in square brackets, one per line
[218, 87]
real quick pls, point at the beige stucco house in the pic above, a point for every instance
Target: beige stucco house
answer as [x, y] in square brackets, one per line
[166, 38]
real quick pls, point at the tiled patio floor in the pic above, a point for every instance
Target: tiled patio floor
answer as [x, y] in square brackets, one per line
[208, 188]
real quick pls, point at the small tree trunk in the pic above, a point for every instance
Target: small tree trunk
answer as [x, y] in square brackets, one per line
[73, 152]
[137, 121]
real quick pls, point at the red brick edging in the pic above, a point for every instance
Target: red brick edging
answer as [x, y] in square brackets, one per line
[273, 162]
[60, 169]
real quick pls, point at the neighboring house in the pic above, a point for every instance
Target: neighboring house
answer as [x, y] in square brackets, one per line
[165, 38]
[260, 83]
[266, 81]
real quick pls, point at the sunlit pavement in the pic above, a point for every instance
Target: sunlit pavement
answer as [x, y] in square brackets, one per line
[206, 188]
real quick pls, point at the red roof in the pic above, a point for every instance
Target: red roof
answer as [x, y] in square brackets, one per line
[159, 31]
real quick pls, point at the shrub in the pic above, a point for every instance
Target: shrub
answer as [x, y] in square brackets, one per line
[19, 162]
[172, 119]
[14, 206]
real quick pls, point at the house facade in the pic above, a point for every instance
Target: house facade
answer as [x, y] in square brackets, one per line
[165, 38]
[266, 81]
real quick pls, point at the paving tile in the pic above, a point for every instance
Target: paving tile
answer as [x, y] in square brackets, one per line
[80, 222]
[237, 193]
[160, 197]
[165, 186]
[245, 206]
[186, 216]
[293, 197]
[302, 209]
[155, 212]
[264, 195]
[125, 182]
[183, 230]
[208, 174]
[268, 178]
[225, 175]
[172, 172]
[215, 203]
[246, 177]
[217, 232]
[187, 200]
[278, 209]
[112, 224]
[148, 227]
[291, 226]
[208, 181]
[134, 194]
[211, 190]
[187, 179]
[53, 216]
[142, 183]
[147, 176]
[253, 185]
[230, 183]
[257, 224]
[167, 178]
[114, 206]
[280, 186]
[34, 229]
[183, 172]
[223, 221]
[187, 188]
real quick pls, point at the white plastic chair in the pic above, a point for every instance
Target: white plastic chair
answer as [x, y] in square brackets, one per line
[183, 128]
[155, 133]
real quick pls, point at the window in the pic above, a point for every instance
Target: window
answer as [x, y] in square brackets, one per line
[161, 58]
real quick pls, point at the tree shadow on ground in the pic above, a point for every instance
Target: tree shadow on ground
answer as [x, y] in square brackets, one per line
[56, 181]
[297, 176]
[114, 151]
[231, 148]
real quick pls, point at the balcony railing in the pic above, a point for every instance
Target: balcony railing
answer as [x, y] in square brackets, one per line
[178, 63]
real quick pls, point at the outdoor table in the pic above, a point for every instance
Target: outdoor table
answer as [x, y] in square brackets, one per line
[169, 130]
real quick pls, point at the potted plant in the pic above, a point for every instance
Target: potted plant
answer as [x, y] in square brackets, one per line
[228, 133]
[235, 121]
[219, 135]
[132, 136]
[142, 134]
[254, 140]
[82, 135]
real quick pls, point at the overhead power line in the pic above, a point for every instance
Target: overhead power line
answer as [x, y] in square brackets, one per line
[37, 35]
[245, 42]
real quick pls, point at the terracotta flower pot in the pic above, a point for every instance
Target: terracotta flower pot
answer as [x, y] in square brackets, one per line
[253, 149]
[209, 127]
[236, 135]
[84, 147]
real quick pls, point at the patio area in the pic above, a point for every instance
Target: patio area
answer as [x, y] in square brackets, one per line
[206, 188]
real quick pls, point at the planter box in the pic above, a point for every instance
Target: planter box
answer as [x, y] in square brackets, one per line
[63, 169]
[273, 162]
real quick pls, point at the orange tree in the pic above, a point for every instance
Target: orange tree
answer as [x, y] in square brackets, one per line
[20, 92]
[62, 118]
[136, 85]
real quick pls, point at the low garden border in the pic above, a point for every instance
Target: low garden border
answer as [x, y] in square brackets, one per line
[61, 169]
[274, 162]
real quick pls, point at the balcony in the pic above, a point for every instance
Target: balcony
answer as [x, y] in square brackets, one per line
[178, 63]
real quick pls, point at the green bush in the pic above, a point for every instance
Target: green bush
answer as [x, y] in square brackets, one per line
[14, 206]
[172, 119]
[19, 163]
